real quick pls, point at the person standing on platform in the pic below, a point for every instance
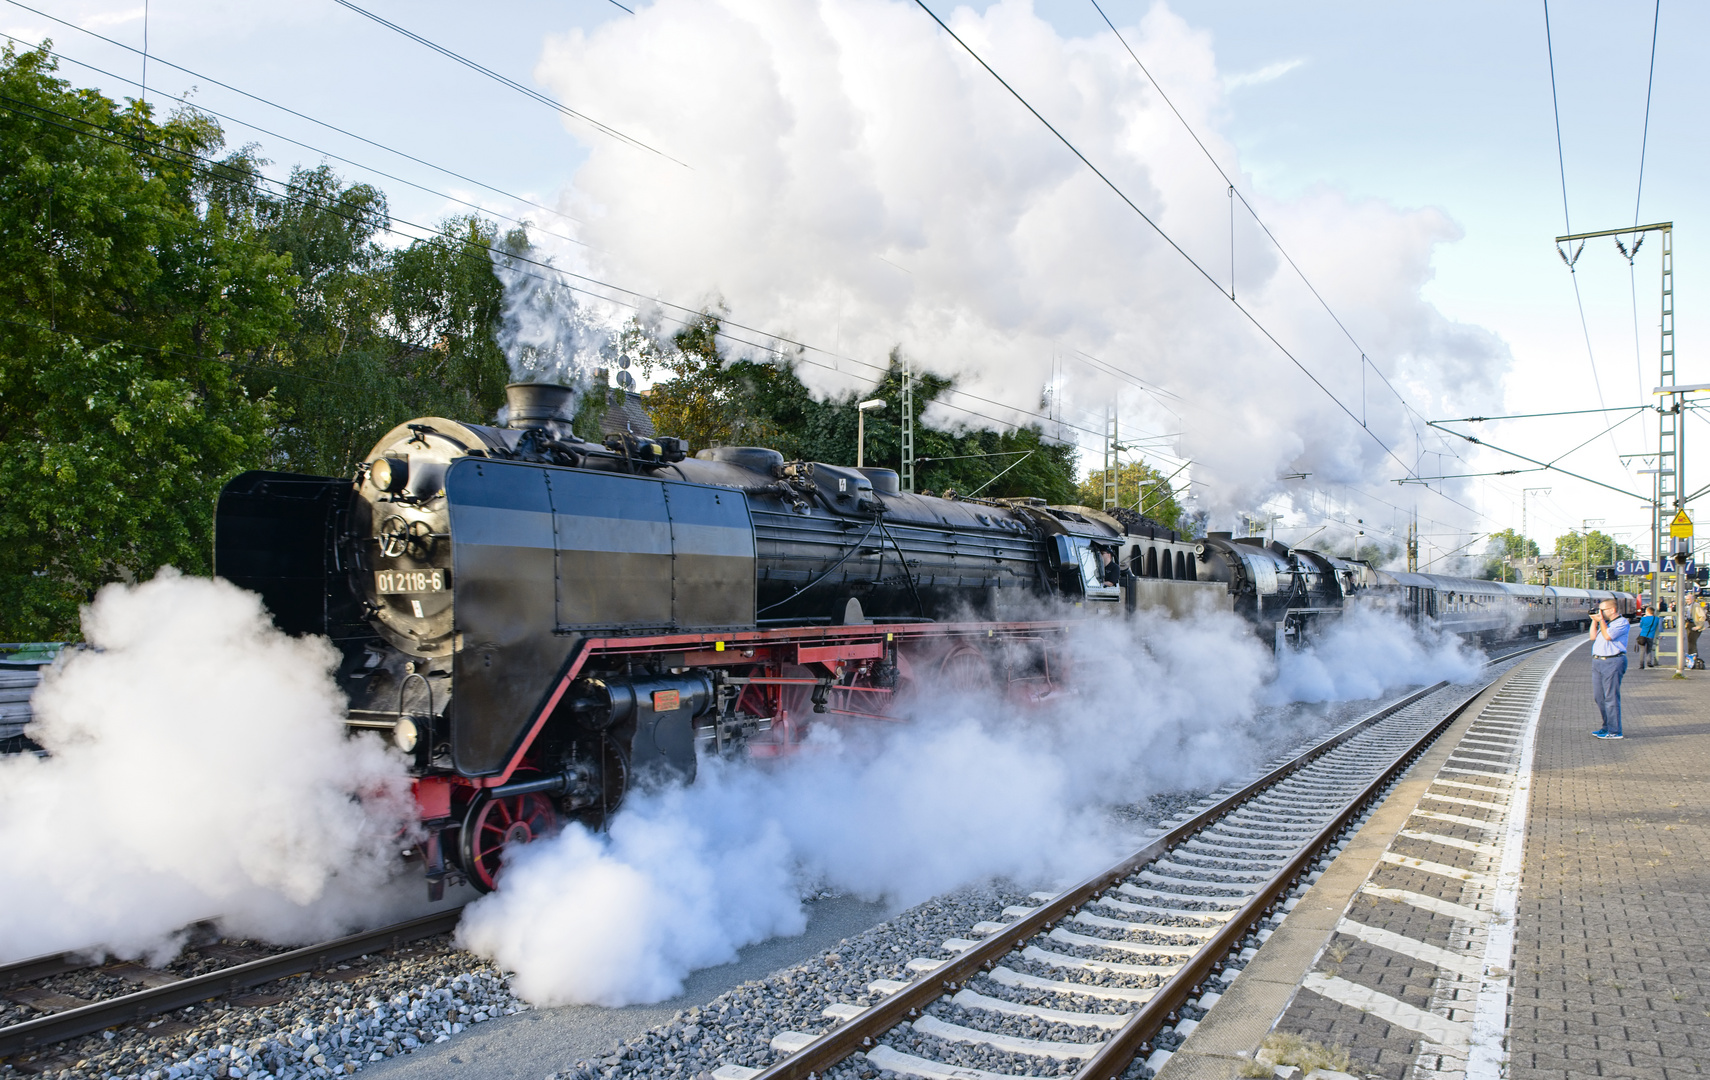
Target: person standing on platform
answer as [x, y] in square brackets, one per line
[1608, 665]
[1695, 613]
[1649, 627]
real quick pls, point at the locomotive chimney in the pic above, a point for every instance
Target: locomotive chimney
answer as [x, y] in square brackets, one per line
[534, 404]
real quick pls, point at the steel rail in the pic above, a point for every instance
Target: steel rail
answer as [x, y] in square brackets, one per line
[98, 1015]
[20, 972]
[863, 1030]
[47, 965]
[1134, 1037]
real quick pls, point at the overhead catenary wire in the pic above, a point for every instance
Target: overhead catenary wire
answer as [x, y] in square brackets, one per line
[293, 112]
[1165, 236]
[1413, 415]
[504, 80]
[1546, 465]
[1567, 220]
[1645, 133]
[1453, 551]
[727, 327]
[1638, 197]
[327, 154]
[1236, 193]
[1536, 415]
[638, 301]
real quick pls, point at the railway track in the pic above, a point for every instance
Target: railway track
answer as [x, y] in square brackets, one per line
[1121, 955]
[1180, 905]
[169, 993]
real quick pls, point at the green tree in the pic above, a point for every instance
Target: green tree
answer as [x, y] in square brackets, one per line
[1138, 486]
[711, 400]
[378, 335]
[1580, 552]
[704, 398]
[1500, 549]
[133, 284]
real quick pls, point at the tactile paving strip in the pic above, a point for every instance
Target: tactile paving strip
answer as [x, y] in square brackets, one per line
[1416, 979]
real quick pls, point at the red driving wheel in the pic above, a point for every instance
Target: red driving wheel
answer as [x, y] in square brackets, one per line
[966, 670]
[491, 824]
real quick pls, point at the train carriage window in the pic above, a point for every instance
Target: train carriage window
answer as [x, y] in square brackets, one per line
[1152, 562]
[1181, 565]
[1165, 570]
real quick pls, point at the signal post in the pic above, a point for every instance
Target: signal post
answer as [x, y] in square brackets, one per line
[1680, 538]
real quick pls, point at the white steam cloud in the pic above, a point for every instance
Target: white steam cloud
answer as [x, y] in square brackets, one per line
[857, 182]
[1367, 650]
[545, 334]
[198, 768]
[969, 789]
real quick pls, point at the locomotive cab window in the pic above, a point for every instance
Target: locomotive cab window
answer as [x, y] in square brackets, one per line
[1088, 570]
[1100, 571]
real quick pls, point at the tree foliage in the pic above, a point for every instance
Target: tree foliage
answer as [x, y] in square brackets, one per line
[1580, 551]
[168, 319]
[170, 316]
[1500, 549]
[377, 334]
[712, 400]
[1138, 486]
[133, 286]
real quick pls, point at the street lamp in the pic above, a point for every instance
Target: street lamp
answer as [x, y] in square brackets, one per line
[1585, 546]
[861, 412]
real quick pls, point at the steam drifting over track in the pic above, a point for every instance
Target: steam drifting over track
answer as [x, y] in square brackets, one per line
[1203, 895]
[1156, 931]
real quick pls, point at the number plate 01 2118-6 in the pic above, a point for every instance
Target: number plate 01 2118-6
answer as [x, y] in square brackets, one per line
[411, 581]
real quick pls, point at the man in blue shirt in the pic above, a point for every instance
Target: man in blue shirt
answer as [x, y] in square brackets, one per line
[1649, 627]
[1608, 665]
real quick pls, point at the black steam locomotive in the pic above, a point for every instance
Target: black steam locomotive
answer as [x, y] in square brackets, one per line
[543, 622]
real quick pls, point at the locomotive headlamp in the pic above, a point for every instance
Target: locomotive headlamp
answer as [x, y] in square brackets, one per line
[390, 474]
[404, 735]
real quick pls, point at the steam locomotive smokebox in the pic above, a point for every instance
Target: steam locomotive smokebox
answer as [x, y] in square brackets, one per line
[536, 404]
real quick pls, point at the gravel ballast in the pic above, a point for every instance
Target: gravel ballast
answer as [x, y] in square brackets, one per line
[336, 1023]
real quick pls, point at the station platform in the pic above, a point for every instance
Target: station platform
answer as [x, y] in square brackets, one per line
[1529, 902]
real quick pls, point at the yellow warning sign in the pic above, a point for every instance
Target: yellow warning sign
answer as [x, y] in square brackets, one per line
[1681, 527]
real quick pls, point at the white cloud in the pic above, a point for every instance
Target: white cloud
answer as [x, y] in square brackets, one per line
[108, 19]
[832, 137]
[1268, 73]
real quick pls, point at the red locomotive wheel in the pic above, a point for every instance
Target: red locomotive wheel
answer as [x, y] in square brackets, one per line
[491, 824]
[965, 670]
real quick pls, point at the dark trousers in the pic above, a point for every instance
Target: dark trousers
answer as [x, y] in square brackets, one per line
[1606, 673]
[1647, 653]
